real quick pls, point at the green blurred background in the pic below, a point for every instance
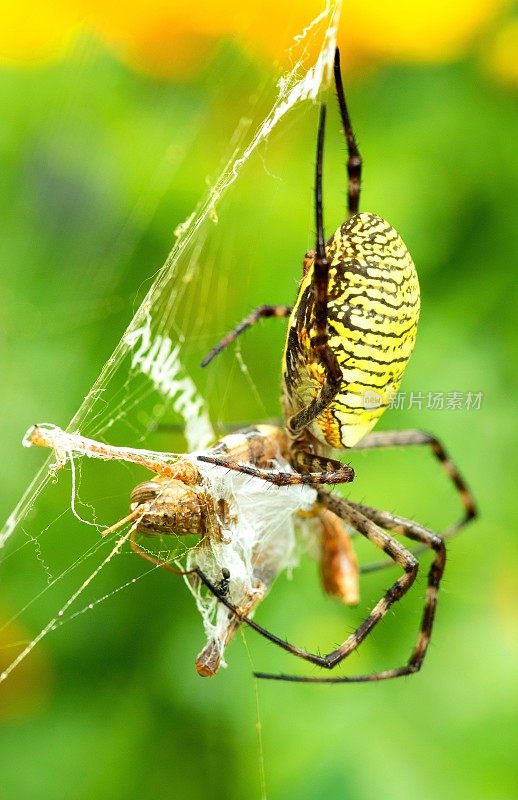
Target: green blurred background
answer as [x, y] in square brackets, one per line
[101, 160]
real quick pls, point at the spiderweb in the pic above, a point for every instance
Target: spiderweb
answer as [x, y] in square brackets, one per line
[153, 379]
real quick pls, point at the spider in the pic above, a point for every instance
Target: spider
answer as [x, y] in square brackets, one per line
[350, 334]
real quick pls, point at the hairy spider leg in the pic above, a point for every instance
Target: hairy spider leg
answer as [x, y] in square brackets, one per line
[330, 471]
[247, 322]
[319, 341]
[354, 159]
[380, 539]
[411, 530]
[367, 521]
[354, 171]
[408, 438]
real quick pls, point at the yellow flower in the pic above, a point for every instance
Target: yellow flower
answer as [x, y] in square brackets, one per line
[173, 37]
[35, 31]
[403, 30]
[501, 54]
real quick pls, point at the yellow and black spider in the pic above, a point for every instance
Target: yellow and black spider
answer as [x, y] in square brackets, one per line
[350, 334]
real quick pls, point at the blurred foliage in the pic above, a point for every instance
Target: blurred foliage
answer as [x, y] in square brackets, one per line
[170, 38]
[99, 164]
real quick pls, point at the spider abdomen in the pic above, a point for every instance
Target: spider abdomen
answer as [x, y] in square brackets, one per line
[372, 315]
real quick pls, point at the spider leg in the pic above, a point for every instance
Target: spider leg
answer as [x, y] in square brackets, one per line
[319, 342]
[430, 540]
[392, 522]
[381, 539]
[415, 437]
[208, 660]
[330, 471]
[354, 160]
[247, 322]
[325, 397]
